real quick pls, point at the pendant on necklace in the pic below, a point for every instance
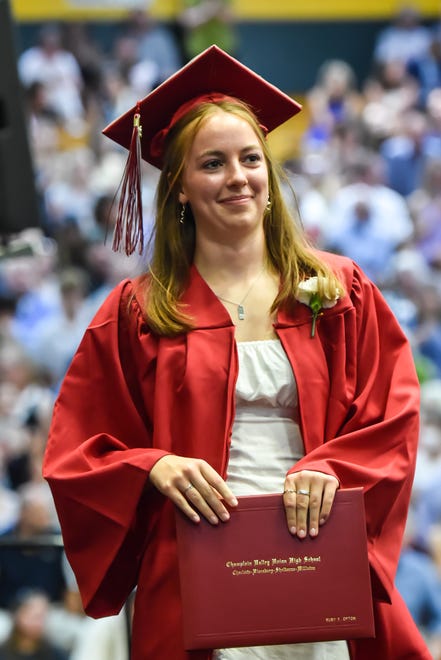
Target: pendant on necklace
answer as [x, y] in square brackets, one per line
[240, 312]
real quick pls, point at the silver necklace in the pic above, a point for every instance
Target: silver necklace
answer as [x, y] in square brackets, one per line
[239, 306]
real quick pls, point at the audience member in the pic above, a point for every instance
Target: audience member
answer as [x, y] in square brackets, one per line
[408, 273]
[44, 125]
[361, 235]
[68, 197]
[406, 152]
[369, 220]
[57, 69]
[388, 92]
[406, 38]
[116, 91]
[23, 565]
[426, 203]
[427, 336]
[419, 583]
[332, 101]
[426, 69]
[433, 111]
[89, 54]
[207, 22]
[27, 639]
[155, 55]
[59, 337]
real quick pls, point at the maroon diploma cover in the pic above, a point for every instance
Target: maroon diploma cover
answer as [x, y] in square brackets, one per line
[249, 582]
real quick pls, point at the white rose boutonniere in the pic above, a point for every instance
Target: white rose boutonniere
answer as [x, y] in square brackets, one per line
[307, 293]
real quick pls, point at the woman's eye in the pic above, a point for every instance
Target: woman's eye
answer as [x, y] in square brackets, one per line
[253, 158]
[212, 164]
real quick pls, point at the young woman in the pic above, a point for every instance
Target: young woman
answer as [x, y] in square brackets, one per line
[243, 362]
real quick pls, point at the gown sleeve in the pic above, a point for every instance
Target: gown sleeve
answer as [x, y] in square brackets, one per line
[372, 421]
[99, 454]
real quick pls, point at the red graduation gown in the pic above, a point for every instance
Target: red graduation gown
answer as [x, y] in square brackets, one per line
[130, 397]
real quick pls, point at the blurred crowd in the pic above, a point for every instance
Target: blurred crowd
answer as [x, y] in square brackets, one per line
[366, 173]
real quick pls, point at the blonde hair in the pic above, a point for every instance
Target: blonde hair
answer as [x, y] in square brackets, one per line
[173, 243]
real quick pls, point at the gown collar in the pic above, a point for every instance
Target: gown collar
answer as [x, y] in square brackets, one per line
[208, 312]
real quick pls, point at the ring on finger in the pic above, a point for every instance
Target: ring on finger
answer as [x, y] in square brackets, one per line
[301, 491]
[289, 490]
[187, 488]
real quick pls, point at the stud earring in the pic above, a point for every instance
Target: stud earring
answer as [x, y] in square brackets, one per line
[182, 215]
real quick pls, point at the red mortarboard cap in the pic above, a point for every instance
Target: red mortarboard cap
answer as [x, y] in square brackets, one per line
[211, 72]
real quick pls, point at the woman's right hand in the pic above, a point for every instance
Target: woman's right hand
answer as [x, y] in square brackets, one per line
[193, 486]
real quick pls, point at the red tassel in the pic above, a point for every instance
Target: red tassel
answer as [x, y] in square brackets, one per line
[129, 232]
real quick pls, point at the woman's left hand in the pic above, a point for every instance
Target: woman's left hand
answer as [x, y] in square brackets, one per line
[308, 497]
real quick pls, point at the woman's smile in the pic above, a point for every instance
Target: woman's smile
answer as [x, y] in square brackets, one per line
[236, 199]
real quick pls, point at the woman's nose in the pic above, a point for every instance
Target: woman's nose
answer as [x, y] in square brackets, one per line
[236, 174]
